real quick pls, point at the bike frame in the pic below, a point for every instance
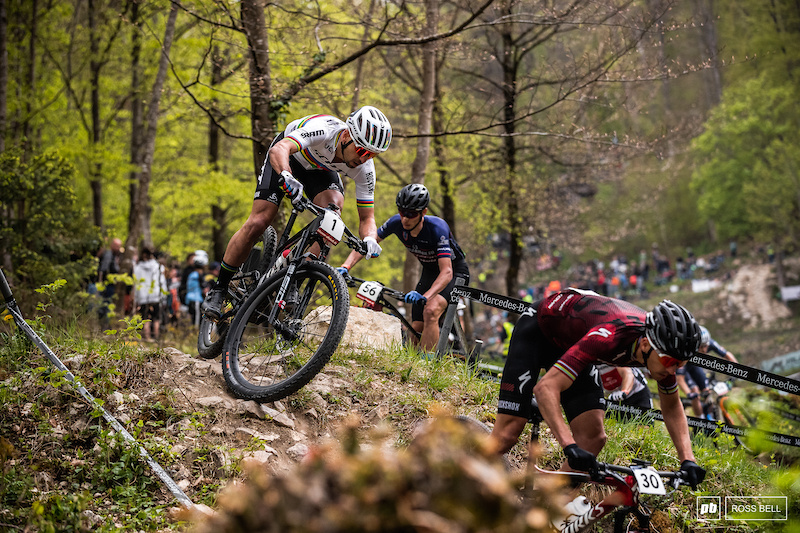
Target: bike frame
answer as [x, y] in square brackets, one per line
[622, 502]
[384, 303]
[301, 241]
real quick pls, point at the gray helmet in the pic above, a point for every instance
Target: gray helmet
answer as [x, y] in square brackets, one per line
[672, 330]
[414, 197]
[705, 336]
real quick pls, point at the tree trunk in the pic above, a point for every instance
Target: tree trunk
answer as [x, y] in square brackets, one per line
[509, 151]
[708, 34]
[255, 30]
[358, 80]
[411, 268]
[3, 73]
[96, 168]
[137, 125]
[141, 207]
[219, 230]
[31, 77]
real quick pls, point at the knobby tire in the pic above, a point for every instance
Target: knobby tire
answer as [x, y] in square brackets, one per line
[262, 364]
[211, 337]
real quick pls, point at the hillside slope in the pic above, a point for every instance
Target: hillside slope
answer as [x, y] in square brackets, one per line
[56, 452]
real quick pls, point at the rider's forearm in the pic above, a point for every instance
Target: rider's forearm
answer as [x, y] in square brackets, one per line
[352, 260]
[678, 428]
[366, 224]
[627, 380]
[548, 396]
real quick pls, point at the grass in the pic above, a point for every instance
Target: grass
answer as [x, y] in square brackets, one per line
[59, 476]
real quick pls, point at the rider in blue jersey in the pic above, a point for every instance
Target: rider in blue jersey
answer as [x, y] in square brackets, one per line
[430, 240]
[692, 378]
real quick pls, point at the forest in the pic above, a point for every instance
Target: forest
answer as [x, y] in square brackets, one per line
[591, 128]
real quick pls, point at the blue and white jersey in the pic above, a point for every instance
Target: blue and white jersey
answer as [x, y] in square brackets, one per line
[434, 241]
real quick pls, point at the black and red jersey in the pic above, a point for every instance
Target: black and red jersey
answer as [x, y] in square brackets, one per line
[592, 328]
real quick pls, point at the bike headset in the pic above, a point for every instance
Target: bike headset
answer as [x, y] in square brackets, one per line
[672, 330]
[413, 197]
[370, 129]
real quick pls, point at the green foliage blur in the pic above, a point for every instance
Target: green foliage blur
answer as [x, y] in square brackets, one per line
[43, 229]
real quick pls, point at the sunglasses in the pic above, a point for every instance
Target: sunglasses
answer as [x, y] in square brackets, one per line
[362, 152]
[407, 213]
[664, 359]
[668, 361]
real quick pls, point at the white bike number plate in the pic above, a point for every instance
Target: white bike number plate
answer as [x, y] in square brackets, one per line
[331, 227]
[721, 388]
[649, 481]
[369, 291]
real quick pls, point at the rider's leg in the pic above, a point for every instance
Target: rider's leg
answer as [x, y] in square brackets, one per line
[261, 215]
[506, 432]
[588, 430]
[430, 322]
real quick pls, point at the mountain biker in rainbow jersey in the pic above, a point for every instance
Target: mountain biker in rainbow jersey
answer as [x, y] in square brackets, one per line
[430, 240]
[308, 156]
[692, 378]
[566, 334]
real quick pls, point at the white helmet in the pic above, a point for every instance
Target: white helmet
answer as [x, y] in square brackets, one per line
[370, 129]
[200, 258]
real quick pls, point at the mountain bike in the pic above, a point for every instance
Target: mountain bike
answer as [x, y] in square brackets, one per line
[286, 331]
[211, 337]
[374, 295]
[377, 296]
[718, 404]
[629, 483]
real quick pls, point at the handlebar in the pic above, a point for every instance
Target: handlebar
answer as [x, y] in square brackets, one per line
[677, 478]
[352, 280]
[305, 204]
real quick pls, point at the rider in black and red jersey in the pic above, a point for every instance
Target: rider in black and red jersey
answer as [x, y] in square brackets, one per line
[567, 333]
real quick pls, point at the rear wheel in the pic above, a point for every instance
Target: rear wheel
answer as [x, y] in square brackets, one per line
[211, 338]
[266, 362]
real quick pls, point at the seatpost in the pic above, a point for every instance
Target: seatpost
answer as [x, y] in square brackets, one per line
[449, 317]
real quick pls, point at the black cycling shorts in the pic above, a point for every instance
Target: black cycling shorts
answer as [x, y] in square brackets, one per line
[314, 181]
[429, 275]
[529, 353]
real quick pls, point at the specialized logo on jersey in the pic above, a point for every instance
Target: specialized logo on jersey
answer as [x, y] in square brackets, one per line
[524, 378]
[601, 331]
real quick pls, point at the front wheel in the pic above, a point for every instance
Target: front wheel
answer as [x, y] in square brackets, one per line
[267, 362]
